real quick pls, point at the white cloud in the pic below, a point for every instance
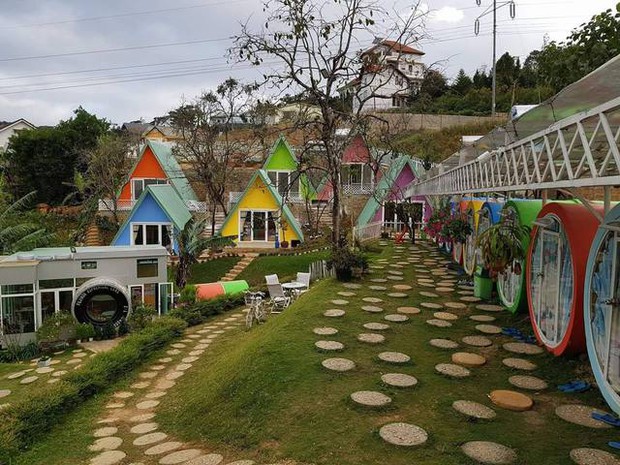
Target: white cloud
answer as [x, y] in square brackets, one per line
[447, 14]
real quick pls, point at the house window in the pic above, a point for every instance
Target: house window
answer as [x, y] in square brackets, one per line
[138, 185]
[286, 183]
[17, 308]
[147, 268]
[152, 234]
[257, 226]
[399, 81]
[357, 178]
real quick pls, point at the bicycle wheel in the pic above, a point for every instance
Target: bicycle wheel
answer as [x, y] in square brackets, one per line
[249, 318]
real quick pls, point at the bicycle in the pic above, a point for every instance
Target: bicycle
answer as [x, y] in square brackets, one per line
[256, 311]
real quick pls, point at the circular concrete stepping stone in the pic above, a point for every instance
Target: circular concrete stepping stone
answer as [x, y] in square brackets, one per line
[402, 287]
[431, 305]
[403, 434]
[395, 273]
[338, 364]
[408, 310]
[399, 380]
[469, 298]
[531, 383]
[329, 345]
[468, 359]
[44, 370]
[140, 385]
[346, 294]
[588, 456]
[107, 443]
[396, 265]
[438, 323]
[29, 379]
[397, 295]
[334, 313]
[181, 456]
[523, 348]
[174, 375]
[474, 410]
[396, 318]
[52, 381]
[106, 431]
[371, 338]
[426, 280]
[183, 366]
[144, 428]
[4, 392]
[216, 459]
[352, 286]
[123, 394]
[428, 294]
[372, 309]
[142, 417]
[519, 364]
[377, 288]
[370, 398]
[372, 300]
[164, 384]
[150, 438]
[157, 367]
[339, 302]
[444, 289]
[378, 280]
[455, 305]
[454, 371]
[482, 318]
[325, 331]
[173, 352]
[191, 359]
[511, 400]
[490, 308]
[376, 326]
[443, 343]
[395, 278]
[19, 374]
[581, 415]
[477, 341]
[147, 404]
[394, 357]
[163, 448]
[148, 375]
[115, 405]
[489, 329]
[446, 316]
[178, 345]
[109, 457]
[489, 452]
[196, 353]
[465, 292]
[426, 285]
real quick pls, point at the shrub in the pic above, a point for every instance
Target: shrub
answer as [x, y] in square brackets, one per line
[188, 295]
[108, 331]
[22, 423]
[84, 330]
[59, 327]
[15, 352]
[197, 313]
[140, 317]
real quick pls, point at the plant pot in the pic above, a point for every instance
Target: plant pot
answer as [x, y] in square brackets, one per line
[78, 341]
[483, 287]
[90, 339]
[344, 274]
[44, 363]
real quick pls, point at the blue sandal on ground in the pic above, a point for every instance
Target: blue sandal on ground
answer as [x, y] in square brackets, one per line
[614, 444]
[606, 418]
[510, 331]
[574, 386]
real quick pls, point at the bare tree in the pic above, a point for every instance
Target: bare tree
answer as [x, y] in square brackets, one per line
[315, 45]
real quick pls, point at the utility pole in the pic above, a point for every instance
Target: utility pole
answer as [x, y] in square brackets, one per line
[493, 9]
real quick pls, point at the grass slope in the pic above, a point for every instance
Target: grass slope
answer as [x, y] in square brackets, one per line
[267, 396]
[213, 270]
[286, 267]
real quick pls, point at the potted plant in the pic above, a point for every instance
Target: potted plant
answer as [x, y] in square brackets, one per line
[347, 263]
[360, 265]
[456, 229]
[44, 361]
[501, 247]
[284, 244]
[89, 332]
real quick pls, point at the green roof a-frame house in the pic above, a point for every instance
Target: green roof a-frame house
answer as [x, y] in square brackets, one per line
[282, 169]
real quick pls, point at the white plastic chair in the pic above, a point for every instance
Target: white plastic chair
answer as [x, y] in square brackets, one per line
[272, 279]
[304, 278]
[279, 300]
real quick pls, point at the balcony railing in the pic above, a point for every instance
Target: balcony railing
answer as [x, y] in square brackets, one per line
[107, 205]
[292, 197]
[358, 188]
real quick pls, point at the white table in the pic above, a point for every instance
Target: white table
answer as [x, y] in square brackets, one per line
[293, 287]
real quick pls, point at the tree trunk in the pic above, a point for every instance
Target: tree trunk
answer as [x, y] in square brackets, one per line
[213, 210]
[182, 272]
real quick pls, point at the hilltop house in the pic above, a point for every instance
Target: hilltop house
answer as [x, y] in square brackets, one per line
[8, 128]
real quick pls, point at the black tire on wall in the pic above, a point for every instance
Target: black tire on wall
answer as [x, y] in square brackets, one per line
[100, 301]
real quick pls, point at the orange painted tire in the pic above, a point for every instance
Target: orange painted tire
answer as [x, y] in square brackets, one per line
[209, 291]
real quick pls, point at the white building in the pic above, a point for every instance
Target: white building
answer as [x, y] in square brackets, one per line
[8, 128]
[391, 72]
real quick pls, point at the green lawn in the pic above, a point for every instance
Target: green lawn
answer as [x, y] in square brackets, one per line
[213, 270]
[265, 395]
[286, 267]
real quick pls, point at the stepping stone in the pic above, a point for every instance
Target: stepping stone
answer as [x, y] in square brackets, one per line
[482, 318]
[329, 345]
[157, 367]
[438, 323]
[109, 457]
[183, 366]
[150, 438]
[402, 287]
[426, 284]
[445, 316]
[216, 459]
[581, 415]
[394, 357]
[142, 418]
[455, 305]
[519, 364]
[370, 398]
[108, 443]
[4, 392]
[431, 305]
[147, 404]
[444, 289]
[489, 452]
[164, 384]
[377, 288]
[338, 364]
[148, 374]
[123, 394]
[443, 343]
[428, 294]
[19, 374]
[408, 310]
[469, 298]
[196, 352]
[174, 375]
[511, 400]
[371, 338]
[489, 329]
[531, 383]
[372, 309]
[189, 359]
[144, 428]
[490, 307]
[588, 456]
[325, 331]
[397, 295]
[394, 273]
[396, 318]
[140, 385]
[377, 267]
[396, 278]
[378, 280]
[173, 352]
[346, 294]
[155, 394]
[372, 300]
[352, 286]
[29, 379]
[376, 326]
[468, 359]
[396, 265]
[523, 348]
[339, 302]
[403, 434]
[181, 456]
[334, 313]
[474, 410]
[178, 345]
[399, 380]
[106, 431]
[163, 448]
[80, 355]
[465, 292]
[44, 370]
[115, 405]
[477, 341]
[52, 381]
[454, 371]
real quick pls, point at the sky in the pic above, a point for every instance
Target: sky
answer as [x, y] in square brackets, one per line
[130, 60]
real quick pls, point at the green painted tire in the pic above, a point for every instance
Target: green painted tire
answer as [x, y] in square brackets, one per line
[234, 287]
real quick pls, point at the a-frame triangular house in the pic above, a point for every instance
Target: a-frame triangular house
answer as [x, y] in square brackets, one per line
[260, 218]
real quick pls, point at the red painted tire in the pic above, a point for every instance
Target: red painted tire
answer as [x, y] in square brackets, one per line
[209, 291]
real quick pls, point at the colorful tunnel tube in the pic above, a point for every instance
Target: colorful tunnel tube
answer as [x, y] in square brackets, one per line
[511, 285]
[212, 290]
[556, 263]
[472, 215]
[601, 307]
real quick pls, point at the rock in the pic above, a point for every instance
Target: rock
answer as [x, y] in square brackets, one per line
[163, 448]
[109, 457]
[372, 309]
[431, 305]
[455, 305]
[371, 338]
[181, 456]
[439, 323]
[107, 443]
[489, 308]
[372, 300]
[396, 318]
[397, 295]
[216, 459]
[334, 313]
[408, 310]
[150, 438]
[147, 404]
[144, 428]
[489, 329]
[376, 326]
[428, 294]
[445, 316]
[482, 318]
[106, 431]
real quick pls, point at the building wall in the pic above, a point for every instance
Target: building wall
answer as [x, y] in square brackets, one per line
[281, 159]
[148, 167]
[6, 135]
